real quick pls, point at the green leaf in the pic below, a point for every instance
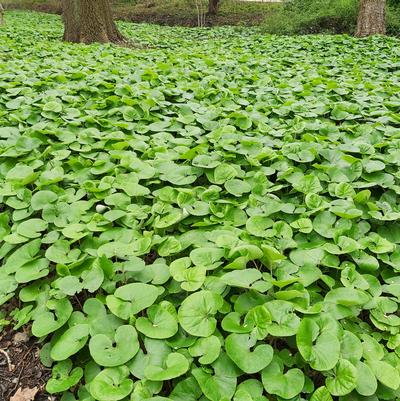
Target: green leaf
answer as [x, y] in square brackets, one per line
[42, 198]
[257, 225]
[250, 390]
[21, 174]
[161, 321]
[22, 255]
[175, 365]
[115, 351]
[53, 106]
[241, 278]
[154, 354]
[130, 299]
[192, 278]
[111, 384]
[366, 381]
[196, 313]
[215, 387]
[321, 394]
[237, 187]
[70, 342]
[318, 340]
[208, 349]
[32, 271]
[284, 320]
[372, 350]
[286, 385]
[207, 257]
[32, 228]
[242, 349]
[345, 379]
[307, 184]
[223, 173]
[388, 375]
[54, 317]
[63, 377]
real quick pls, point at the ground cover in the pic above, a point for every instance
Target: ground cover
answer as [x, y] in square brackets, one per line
[212, 215]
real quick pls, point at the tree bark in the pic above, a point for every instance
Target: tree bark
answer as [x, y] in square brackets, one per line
[371, 18]
[213, 7]
[1, 14]
[89, 21]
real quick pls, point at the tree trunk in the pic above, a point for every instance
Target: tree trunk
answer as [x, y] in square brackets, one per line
[70, 9]
[89, 21]
[1, 14]
[371, 18]
[213, 7]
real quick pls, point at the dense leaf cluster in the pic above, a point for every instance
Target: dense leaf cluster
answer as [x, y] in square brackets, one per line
[214, 217]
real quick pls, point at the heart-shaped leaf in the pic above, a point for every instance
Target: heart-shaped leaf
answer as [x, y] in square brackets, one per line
[161, 321]
[321, 394]
[111, 384]
[63, 377]
[208, 349]
[250, 390]
[241, 278]
[366, 381]
[238, 347]
[32, 228]
[24, 254]
[130, 299]
[154, 354]
[115, 351]
[215, 387]
[286, 385]
[387, 374]
[232, 323]
[318, 340]
[32, 271]
[345, 379]
[70, 342]
[56, 315]
[196, 314]
[175, 365]
[284, 321]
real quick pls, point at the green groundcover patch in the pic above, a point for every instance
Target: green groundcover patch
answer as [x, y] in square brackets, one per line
[213, 217]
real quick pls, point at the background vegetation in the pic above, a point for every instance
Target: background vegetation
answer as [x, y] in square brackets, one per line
[294, 17]
[323, 16]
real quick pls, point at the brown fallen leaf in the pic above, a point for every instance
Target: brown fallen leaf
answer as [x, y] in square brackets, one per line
[27, 394]
[20, 337]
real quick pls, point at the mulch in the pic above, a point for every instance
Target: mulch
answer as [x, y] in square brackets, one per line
[20, 367]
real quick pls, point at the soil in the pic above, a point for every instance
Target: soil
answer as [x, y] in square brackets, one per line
[20, 367]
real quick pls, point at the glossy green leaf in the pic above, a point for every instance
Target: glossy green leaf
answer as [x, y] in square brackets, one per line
[286, 385]
[196, 314]
[114, 351]
[345, 379]
[318, 340]
[242, 349]
[111, 384]
[70, 342]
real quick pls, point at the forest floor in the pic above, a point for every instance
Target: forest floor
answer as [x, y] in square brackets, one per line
[172, 12]
[22, 376]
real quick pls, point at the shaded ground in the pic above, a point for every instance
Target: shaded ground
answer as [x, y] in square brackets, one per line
[173, 12]
[20, 367]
